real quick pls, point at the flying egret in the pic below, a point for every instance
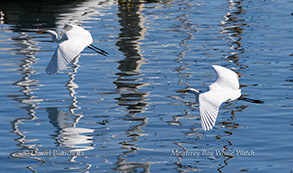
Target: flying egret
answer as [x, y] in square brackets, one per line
[72, 41]
[226, 87]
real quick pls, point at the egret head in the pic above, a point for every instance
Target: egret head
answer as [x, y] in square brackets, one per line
[51, 32]
[189, 90]
[45, 31]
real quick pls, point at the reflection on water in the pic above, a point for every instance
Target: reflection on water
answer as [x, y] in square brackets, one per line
[27, 48]
[130, 81]
[232, 27]
[72, 139]
[155, 48]
[30, 15]
[67, 134]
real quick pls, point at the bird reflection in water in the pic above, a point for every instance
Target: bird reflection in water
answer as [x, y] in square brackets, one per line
[68, 135]
[27, 16]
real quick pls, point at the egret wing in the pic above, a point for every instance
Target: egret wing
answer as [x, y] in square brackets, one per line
[209, 103]
[226, 87]
[66, 28]
[226, 78]
[66, 52]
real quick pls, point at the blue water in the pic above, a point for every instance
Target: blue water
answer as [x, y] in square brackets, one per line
[121, 113]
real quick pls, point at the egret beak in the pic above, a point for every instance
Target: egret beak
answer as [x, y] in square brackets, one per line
[41, 32]
[181, 91]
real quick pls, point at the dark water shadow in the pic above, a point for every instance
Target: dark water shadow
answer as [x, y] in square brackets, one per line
[34, 14]
[130, 81]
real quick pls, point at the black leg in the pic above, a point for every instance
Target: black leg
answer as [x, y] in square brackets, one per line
[101, 50]
[98, 51]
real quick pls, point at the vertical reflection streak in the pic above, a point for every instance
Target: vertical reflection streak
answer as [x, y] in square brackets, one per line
[129, 80]
[232, 26]
[187, 28]
[28, 49]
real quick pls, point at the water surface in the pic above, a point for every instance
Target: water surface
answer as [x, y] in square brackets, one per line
[121, 113]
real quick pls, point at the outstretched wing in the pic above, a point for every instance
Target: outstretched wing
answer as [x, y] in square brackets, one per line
[226, 78]
[73, 42]
[226, 87]
[63, 55]
[209, 103]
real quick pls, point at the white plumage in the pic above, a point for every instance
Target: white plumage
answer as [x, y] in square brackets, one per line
[72, 42]
[226, 87]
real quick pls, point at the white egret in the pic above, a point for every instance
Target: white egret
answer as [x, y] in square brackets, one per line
[226, 87]
[73, 40]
